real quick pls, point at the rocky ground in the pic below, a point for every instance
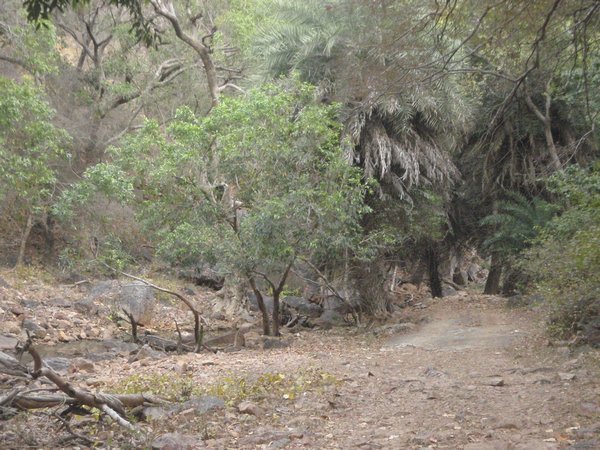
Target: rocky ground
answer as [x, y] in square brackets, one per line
[462, 372]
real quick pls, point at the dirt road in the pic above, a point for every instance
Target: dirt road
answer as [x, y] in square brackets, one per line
[470, 374]
[475, 376]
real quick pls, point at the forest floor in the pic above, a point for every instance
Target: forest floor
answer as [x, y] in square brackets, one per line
[469, 373]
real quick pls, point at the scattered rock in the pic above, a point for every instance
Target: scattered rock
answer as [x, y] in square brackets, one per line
[35, 329]
[434, 373]
[150, 413]
[7, 342]
[30, 304]
[280, 443]
[81, 365]
[507, 425]
[146, 352]
[208, 277]
[3, 283]
[330, 318]
[591, 444]
[448, 291]
[495, 381]
[103, 289]
[564, 376]
[189, 291]
[86, 307]
[235, 338]
[490, 445]
[253, 409]
[17, 310]
[202, 405]
[273, 342]
[59, 364]
[177, 441]
[396, 328]
[12, 327]
[62, 336]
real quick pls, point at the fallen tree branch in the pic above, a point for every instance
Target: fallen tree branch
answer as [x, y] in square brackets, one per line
[111, 405]
[25, 400]
[198, 327]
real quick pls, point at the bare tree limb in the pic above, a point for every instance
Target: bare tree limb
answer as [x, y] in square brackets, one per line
[198, 327]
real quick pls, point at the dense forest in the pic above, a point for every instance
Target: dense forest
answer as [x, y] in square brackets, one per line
[325, 208]
[271, 140]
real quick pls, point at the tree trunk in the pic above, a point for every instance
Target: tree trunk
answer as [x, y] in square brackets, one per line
[546, 120]
[24, 239]
[492, 284]
[275, 321]
[261, 306]
[417, 276]
[433, 262]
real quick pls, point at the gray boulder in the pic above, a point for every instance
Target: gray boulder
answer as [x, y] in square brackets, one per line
[303, 306]
[138, 300]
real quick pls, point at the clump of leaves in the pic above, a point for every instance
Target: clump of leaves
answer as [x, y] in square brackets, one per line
[172, 387]
[565, 257]
[232, 388]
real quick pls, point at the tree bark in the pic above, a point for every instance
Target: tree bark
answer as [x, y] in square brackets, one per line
[24, 239]
[547, 123]
[261, 306]
[167, 10]
[275, 321]
[433, 262]
[492, 284]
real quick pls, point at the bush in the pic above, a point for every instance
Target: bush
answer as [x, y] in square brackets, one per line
[565, 258]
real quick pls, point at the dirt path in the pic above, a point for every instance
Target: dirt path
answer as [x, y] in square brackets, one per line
[472, 375]
[476, 376]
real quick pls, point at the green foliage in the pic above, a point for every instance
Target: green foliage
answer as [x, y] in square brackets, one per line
[257, 183]
[232, 388]
[516, 224]
[31, 151]
[565, 257]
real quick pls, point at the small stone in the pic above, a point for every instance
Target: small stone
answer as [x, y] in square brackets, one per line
[81, 365]
[176, 441]
[270, 343]
[17, 310]
[565, 376]
[181, 367]
[146, 352]
[495, 381]
[34, 328]
[62, 336]
[203, 404]
[7, 342]
[247, 407]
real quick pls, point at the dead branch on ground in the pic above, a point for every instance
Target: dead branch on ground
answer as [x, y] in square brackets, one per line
[198, 326]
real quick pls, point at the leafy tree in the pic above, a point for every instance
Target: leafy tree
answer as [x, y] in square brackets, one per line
[516, 223]
[565, 257]
[254, 188]
[403, 118]
[31, 150]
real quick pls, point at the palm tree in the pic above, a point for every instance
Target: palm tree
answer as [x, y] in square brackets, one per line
[402, 119]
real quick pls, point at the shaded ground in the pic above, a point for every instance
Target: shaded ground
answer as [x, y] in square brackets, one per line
[473, 374]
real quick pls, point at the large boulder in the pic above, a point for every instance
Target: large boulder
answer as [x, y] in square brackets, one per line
[137, 299]
[253, 302]
[207, 276]
[302, 306]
